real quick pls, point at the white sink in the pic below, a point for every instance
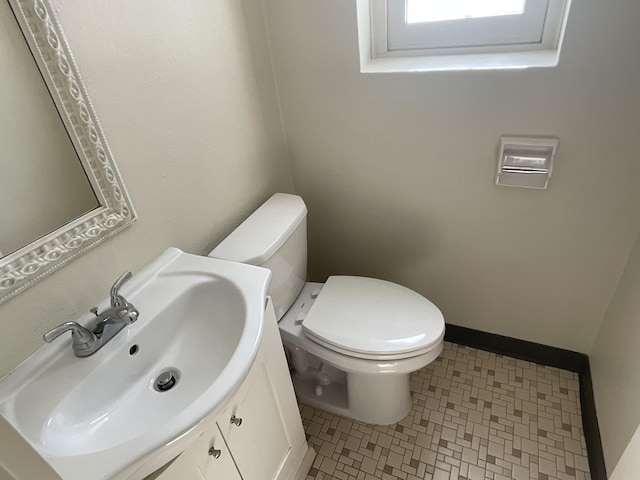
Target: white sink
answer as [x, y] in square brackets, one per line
[101, 417]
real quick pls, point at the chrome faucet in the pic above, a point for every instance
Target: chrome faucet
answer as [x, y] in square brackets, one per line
[88, 340]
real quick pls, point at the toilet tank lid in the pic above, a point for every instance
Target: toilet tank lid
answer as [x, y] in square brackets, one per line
[256, 239]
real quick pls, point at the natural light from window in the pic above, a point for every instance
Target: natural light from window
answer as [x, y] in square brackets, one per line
[421, 11]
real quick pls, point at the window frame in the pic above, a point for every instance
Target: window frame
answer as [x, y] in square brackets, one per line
[535, 50]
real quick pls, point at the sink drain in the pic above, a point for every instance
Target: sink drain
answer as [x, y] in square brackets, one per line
[166, 380]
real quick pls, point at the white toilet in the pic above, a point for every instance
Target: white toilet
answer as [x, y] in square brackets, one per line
[353, 341]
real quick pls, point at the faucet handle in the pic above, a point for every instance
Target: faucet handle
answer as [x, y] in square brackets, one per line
[79, 335]
[116, 299]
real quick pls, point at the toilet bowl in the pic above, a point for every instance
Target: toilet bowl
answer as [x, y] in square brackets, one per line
[351, 342]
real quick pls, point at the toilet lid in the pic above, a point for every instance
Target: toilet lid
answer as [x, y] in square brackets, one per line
[373, 317]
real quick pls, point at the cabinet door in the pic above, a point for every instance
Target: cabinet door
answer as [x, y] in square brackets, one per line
[183, 467]
[260, 444]
[269, 443]
[213, 457]
[206, 459]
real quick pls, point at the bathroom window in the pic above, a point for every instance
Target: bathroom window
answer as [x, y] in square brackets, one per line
[422, 35]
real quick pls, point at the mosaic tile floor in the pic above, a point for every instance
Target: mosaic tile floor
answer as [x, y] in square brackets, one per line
[476, 416]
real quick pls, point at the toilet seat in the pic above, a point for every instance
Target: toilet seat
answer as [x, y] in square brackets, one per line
[373, 319]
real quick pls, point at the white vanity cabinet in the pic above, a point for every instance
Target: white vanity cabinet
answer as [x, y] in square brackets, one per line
[259, 435]
[208, 458]
[213, 458]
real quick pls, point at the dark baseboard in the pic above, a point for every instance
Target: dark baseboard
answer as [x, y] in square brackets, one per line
[590, 426]
[521, 349]
[553, 357]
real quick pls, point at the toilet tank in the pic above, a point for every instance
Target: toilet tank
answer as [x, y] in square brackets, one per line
[273, 237]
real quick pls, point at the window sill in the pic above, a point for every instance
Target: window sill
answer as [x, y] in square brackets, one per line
[488, 61]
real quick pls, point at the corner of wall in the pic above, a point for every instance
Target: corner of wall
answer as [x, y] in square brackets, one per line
[615, 371]
[267, 29]
[634, 244]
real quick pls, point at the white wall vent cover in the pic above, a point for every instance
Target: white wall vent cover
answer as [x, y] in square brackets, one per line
[526, 161]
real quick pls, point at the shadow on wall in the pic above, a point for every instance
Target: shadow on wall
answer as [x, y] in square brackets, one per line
[369, 236]
[260, 54]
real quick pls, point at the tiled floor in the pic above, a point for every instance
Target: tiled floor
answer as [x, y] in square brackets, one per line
[476, 415]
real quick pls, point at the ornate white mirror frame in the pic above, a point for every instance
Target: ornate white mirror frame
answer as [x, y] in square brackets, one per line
[24, 267]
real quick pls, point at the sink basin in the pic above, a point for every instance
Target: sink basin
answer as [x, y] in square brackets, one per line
[104, 416]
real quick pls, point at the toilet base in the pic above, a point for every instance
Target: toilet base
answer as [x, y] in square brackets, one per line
[372, 399]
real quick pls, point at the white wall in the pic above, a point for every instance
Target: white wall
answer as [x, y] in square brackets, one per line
[629, 464]
[35, 198]
[194, 128]
[615, 364]
[397, 170]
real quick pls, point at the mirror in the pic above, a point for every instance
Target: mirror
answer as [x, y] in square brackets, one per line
[36, 199]
[60, 190]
